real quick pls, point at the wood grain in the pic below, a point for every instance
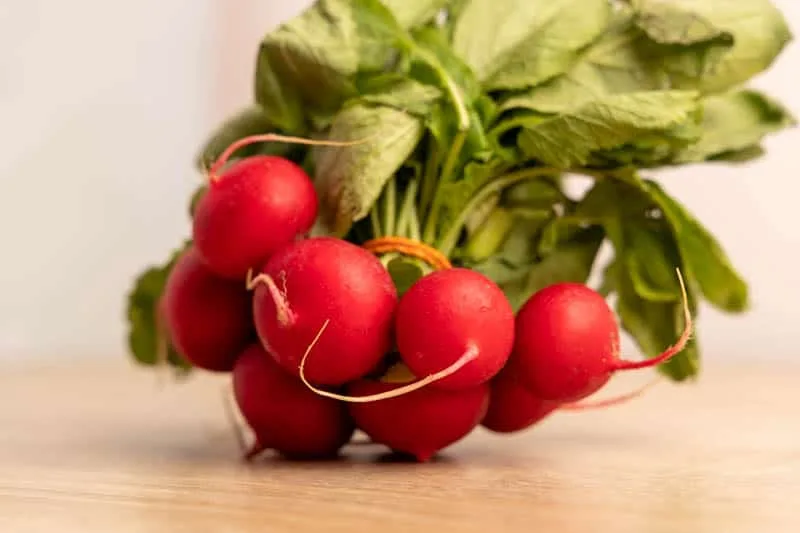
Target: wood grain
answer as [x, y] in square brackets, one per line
[105, 448]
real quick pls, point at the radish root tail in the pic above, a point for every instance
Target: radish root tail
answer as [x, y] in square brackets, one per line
[213, 171]
[470, 354]
[673, 350]
[609, 402]
[285, 314]
[230, 416]
[255, 450]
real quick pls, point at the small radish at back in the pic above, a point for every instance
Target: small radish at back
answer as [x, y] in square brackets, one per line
[420, 423]
[323, 280]
[256, 206]
[450, 314]
[208, 318]
[567, 343]
[284, 415]
[512, 408]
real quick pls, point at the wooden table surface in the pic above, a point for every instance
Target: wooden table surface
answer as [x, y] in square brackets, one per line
[104, 448]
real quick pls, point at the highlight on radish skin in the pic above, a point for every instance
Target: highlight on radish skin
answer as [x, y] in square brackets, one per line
[208, 318]
[309, 282]
[419, 423]
[448, 314]
[567, 343]
[284, 415]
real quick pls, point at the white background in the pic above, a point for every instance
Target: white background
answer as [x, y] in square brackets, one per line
[103, 105]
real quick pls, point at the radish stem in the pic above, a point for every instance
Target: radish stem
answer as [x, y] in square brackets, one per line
[285, 315]
[672, 350]
[270, 137]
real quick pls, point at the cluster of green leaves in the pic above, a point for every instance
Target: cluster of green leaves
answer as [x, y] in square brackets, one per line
[471, 113]
[148, 339]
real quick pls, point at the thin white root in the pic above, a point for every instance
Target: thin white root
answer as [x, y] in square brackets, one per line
[470, 354]
[610, 402]
[230, 415]
[284, 313]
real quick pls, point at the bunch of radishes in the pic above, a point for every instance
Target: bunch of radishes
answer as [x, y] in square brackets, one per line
[319, 342]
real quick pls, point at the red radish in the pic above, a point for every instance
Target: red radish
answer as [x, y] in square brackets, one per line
[567, 342]
[208, 318]
[284, 415]
[422, 422]
[256, 206]
[513, 408]
[448, 315]
[319, 281]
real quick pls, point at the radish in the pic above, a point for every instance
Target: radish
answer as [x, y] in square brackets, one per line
[319, 282]
[283, 413]
[258, 205]
[254, 207]
[512, 407]
[567, 341]
[208, 319]
[419, 423]
[450, 315]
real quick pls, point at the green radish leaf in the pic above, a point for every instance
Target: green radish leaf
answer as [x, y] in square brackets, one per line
[541, 194]
[677, 23]
[750, 34]
[401, 93]
[411, 13]
[690, 45]
[705, 265]
[513, 44]
[489, 236]
[455, 196]
[350, 178]
[735, 123]
[405, 271]
[571, 259]
[638, 52]
[655, 326]
[569, 138]
[145, 334]
[650, 258]
[434, 62]
[249, 121]
[648, 151]
[510, 265]
[453, 11]
[612, 64]
[520, 267]
[283, 103]
[305, 67]
[742, 155]
[196, 196]
[705, 262]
